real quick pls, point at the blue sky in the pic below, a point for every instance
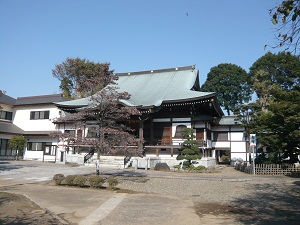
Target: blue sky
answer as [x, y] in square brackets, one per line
[132, 35]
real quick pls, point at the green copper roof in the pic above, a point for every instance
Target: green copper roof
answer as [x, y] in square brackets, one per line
[152, 88]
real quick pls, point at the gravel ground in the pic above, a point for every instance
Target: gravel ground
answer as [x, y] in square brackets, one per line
[250, 199]
[224, 197]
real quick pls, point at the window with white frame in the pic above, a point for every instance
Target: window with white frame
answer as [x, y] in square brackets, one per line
[39, 115]
[37, 146]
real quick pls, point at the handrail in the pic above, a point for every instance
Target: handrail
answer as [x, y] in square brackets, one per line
[88, 155]
[126, 159]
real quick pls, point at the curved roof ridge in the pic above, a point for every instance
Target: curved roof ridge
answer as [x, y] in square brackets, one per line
[157, 71]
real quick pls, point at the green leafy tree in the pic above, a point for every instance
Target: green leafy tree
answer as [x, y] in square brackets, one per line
[279, 127]
[231, 84]
[18, 143]
[272, 71]
[274, 116]
[189, 149]
[285, 16]
[82, 78]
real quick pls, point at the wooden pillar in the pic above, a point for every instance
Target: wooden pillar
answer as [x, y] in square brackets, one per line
[151, 131]
[141, 137]
[172, 152]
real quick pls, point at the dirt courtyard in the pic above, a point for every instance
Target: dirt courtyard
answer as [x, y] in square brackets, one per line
[222, 198]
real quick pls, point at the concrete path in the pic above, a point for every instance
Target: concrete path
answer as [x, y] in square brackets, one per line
[90, 206]
[98, 206]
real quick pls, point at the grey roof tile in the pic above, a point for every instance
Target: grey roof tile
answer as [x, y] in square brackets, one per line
[152, 88]
[42, 99]
[10, 128]
[5, 99]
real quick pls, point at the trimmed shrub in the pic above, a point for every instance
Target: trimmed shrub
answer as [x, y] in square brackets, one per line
[58, 178]
[96, 181]
[112, 182]
[177, 166]
[200, 168]
[79, 181]
[70, 180]
[186, 164]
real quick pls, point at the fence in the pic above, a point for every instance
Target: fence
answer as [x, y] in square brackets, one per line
[268, 169]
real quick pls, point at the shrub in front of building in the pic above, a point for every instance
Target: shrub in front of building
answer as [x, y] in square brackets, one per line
[58, 178]
[70, 180]
[96, 181]
[80, 181]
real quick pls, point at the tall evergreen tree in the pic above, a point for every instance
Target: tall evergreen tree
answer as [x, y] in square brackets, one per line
[231, 84]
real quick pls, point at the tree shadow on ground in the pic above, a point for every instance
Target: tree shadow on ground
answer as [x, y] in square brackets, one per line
[124, 173]
[271, 203]
[8, 166]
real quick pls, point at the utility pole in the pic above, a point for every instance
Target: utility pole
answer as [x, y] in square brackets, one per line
[253, 145]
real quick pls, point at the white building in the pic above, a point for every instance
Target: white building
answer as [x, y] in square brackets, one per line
[33, 118]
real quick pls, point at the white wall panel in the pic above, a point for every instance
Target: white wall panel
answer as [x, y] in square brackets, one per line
[238, 155]
[237, 136]
[22, 118]
[238, 147]
[221, 144]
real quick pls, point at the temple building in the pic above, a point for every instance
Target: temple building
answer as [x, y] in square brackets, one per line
[170, 100]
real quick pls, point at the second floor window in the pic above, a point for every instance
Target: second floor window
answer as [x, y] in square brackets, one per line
[39, 115]
[220, 136]
[5, 115]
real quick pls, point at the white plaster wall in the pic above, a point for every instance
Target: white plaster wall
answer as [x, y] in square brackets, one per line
[220, 144]
[238, 155]
[33, 155]
[237, 136]
[22, 118]
[238, 147]
[163, 155]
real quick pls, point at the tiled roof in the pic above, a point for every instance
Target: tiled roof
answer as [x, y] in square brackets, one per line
[5, 99]
[9, 128]
[42, 99]
[152, 88]
[229, 120]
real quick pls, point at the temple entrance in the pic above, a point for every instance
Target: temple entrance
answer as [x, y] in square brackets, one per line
[223, 156]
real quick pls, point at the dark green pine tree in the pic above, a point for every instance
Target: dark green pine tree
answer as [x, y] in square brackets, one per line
[189, 149]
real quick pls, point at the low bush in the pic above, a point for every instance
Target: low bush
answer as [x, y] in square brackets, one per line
[79, 181]
[58, 178]
[177, 166]
[96, 181]
[200, 168]
[70, 180]
[112, 182]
